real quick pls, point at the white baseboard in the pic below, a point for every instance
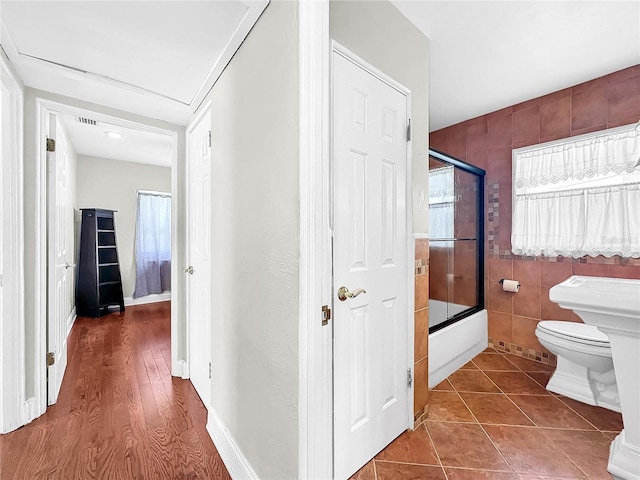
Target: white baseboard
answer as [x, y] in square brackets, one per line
[180, 369]
[71, 320]
[153, 298]
[30, 413]
[236, 463]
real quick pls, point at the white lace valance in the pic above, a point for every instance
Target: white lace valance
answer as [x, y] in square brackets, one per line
[579, 196]
[613, 151]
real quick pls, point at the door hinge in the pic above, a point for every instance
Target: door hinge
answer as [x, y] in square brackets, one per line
[51, 359]
[409, 131]
[209, 138]
[209, 369]
[409, 378]
[326, 314]
[51, 145]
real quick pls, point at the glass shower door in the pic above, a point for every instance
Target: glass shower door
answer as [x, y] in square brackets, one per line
[455, 240]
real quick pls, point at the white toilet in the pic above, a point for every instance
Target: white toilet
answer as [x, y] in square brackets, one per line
[585, 368]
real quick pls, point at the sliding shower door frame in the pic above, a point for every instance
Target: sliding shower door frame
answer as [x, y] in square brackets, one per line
[480, 264]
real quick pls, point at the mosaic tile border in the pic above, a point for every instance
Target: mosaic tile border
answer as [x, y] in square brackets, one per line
[421, 417]
[520, 351]
[492, 199]
[421, 266]
[493, 219]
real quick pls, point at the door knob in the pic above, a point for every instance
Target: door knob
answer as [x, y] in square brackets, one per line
[68, 265]
[344, 293]
[189, 270]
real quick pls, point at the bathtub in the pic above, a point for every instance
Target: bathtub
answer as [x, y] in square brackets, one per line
[453, 346]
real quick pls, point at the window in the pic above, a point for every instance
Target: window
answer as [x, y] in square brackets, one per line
[441, 204]
[578, 196]
[153, 243]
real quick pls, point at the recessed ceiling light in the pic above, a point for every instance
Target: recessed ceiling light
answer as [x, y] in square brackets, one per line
[111, 134]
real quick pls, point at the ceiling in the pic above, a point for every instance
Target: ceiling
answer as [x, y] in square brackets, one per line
[487, 55]
[153, 58]
[134, 145]
[160, 58]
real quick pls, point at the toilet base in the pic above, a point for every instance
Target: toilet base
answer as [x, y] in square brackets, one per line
[581, 384]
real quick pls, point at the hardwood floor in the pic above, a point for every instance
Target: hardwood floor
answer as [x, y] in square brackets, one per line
[120, 414]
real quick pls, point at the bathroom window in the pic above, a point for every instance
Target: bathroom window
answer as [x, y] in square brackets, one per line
[441, 203]
[578, 196]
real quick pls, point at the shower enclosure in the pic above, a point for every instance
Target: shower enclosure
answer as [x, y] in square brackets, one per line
[456, 240]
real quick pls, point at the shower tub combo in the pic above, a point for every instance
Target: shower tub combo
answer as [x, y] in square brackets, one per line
[457, 318]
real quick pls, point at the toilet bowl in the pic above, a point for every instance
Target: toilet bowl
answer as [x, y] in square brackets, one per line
[584, 369]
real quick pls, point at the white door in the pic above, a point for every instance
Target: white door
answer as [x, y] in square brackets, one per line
[369, 253]
[60, 258]
[199, 254]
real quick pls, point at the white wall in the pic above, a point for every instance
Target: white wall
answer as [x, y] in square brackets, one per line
[255, 244]
[112, 184]
[377, 32]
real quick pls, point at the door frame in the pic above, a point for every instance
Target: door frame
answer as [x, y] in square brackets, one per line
[13, 412]
[206, 109]
[43, 108]
[315, 395]
[315, 404]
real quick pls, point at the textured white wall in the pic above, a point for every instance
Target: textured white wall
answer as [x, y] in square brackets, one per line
[377, 32]
[112, 184]
[255, 219]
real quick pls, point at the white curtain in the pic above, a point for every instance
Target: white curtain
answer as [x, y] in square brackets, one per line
[153, 244]
[579, 197]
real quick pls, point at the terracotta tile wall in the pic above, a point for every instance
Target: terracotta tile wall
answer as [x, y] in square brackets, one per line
[487, 141]
[421, 331]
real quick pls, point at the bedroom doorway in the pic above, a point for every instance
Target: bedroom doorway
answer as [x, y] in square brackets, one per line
[99, 174]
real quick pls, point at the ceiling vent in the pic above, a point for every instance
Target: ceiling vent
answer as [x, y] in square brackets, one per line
[87, 121]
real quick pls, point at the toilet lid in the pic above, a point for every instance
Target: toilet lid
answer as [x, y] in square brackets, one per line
[574, 330]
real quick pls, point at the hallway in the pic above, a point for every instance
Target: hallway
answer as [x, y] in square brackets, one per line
[120, 414]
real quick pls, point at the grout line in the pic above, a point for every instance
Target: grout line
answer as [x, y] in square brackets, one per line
[565, 454]
[408, 463]
[433, 444]
[578, 413]
[485, 432]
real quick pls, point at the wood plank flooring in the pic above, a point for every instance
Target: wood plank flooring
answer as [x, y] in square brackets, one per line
[120, 415]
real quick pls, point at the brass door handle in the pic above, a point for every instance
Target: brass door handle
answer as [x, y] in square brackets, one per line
[344, 293]
[189, 270]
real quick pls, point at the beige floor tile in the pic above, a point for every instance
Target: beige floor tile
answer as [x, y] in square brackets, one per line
[404, 471]
[465, 445]
[527, 451]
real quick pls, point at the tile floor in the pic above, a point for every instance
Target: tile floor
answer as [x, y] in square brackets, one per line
[494, 420]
